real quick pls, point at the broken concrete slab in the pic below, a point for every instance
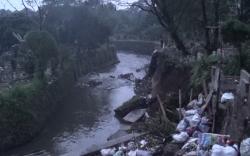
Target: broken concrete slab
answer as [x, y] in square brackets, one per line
[134, 115]
[136, 102]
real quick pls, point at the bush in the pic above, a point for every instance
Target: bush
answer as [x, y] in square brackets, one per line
[17, 119]
[201, 70]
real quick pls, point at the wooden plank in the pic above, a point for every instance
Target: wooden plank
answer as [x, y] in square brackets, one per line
[207, 101]
[204, 87]
[162, 109]
[111, 143]
[180, 105]
[216, 80]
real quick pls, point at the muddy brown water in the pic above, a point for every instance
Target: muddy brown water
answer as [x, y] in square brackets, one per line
[86, 118]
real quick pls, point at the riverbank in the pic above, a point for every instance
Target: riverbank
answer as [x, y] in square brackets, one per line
[137, 46]
[32, 106]
[85, 117]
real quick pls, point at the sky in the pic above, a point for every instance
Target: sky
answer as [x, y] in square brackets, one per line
[18, 4]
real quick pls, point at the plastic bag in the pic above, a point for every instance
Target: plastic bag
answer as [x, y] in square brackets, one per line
[191, 112]
[139, 153]
[182, 126]
[108, 152]
[219, 150]
[226, 97]
[119, 153]
[181, 137]
[192, 104]
[200, 100]
[245, 147]
[230, 151]
[196, 119]
[203, 126]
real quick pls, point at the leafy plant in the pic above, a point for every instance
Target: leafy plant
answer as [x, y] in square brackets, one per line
[202, 68]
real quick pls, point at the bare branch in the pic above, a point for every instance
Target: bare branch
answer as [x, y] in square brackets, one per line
[11, 5]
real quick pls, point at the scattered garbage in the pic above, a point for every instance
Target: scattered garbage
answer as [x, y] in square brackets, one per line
[227, 97]
[143, 143]
[200, 100]
[108, 152]
[128, 76]
[182, 125]
[219, 150]
[209, 139]
[196, 119]
[181, 137]
[245, 147]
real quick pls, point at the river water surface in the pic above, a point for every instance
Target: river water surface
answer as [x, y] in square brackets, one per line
[86, 117]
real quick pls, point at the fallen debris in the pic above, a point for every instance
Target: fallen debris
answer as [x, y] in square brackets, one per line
[134, 115]
[245, 147]
[128, 76]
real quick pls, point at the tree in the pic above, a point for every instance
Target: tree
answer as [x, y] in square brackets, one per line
[169, 13]
[42, 47]
[236, 33]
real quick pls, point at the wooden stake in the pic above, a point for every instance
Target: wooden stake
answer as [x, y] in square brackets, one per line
[191, 95]
[180, 104]
[162, 109]
[204, 87]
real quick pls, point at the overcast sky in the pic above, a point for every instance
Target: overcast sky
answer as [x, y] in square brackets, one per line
[18, 5]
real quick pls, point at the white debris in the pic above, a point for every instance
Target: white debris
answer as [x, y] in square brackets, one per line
[226, 97]
[245, 147]
[181, 137]
[200, 100]
[143, 143]
[191, 112]
[196, 119]
[192, 104]
[108, 152]
[182, 126]
[218, 150]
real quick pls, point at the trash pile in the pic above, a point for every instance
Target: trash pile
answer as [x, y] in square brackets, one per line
[147, 145]
[192, 131]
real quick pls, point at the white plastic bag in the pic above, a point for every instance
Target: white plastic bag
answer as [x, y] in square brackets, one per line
[230, 151]
[108, 152]
[219, 150]
[196, 119]
[200, 100]
[226, 97]
[181, 137]
[245, 147]
[182, 126]
[191, 112]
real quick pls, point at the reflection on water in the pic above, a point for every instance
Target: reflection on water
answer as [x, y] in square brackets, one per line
[86, 117]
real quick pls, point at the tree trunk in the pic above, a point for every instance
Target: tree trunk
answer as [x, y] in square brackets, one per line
[205, 24]
[160, 10]
[216, 23]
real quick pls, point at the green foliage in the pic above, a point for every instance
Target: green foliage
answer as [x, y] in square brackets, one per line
[13, 22]
[202, 68]
[235, 32]
[239, 61]
[16, 118]
[43, 48]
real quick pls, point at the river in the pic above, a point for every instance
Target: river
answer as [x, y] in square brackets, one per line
[86, 117]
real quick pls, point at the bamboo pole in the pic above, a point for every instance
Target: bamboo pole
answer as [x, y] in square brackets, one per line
[191, 95]
[162, 109]
[180, 105]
